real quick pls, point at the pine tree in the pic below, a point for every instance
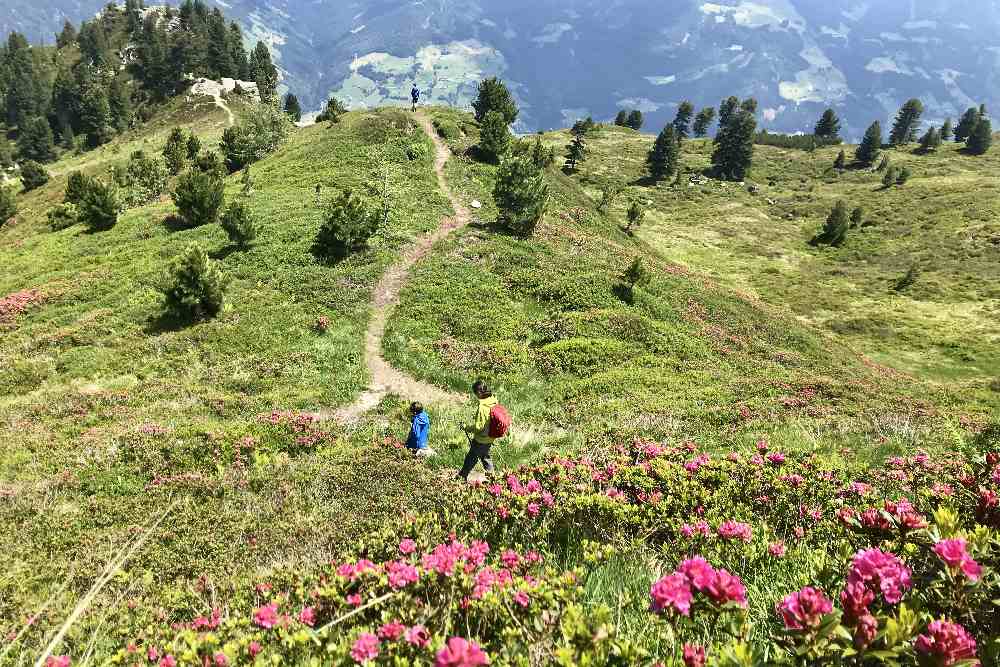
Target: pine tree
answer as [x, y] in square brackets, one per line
[100, 206]
[889, 177]
[33, 175]
[348, 224]
[198, 197]
[947, 131]
[76, 187]
[870, 145]
[576, 151]
[634, 215]
[622, 118]
[194, 286]
[292, 107]
[333, 111]
[749, 105]
[120, 103]
[610, 190]
[966, 124]
[828, 126]
[733, 154]
[237, 52]
[834, 231]
[727, 109]
[95, 114]
[662, 158]
[263, 71]
[68, 35]
[175, 151]
[8, 204]
[494, 136]
[219, 56]
[840, 162]
[857, 216]
[23, 97]
[931, 140]
[34, 140]
[703, 121]
[981, 139]
[493, 95]
[636, 275]
[193, 146]
[635, 120]
[907, 121]
[539, 156]
[238, 223]
[521, 195]
[903, 175]
[682, 121]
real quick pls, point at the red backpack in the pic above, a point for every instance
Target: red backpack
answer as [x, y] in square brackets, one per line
[499, 421]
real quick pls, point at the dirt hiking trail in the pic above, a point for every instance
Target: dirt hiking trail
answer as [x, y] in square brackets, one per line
[384, 378]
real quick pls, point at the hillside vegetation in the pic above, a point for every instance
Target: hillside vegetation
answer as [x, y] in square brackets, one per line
[720, 410]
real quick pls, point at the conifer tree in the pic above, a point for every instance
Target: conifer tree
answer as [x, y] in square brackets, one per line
[931, 140]
[263, 71]
[219, 56]
[237, 52]
[493, 95]
[348, 224]
[576, 151]
[34, 140]
[622, 118]
[903, 175]
[634, 216]
[67, 36]
[828, 126]
[333, 111]
[947, 131]
[636, 275]
[703, 121]
[883, 163]
[193, 146]
[907, 121]
[23, 97]
[175, 151]
[494, 136]
[966, 124]
[662, 158]
[238, 223]
[682, 121]
[521, 195]
[76, 187]
[857, 216]
[635, 120]
[194, 286]
[8, 204]
[749, 105]
[981, 139]
[292, 107]
[33, 175]
[728, 107]
[834, 231]
[95, 113]
[733, 154]
[840, 162]
[870, 145]
[889, 177]
[199, 197]
[99, 208]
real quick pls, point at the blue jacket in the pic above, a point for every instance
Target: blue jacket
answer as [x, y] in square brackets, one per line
[418, 432]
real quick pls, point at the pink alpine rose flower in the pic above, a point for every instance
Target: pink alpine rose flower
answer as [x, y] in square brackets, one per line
[726, 588]
[698, 571]
[946, 644]
[391, 631]
[57, 661]
[365, 648]
[407, 546]
[882, 571]
[418, 636]
[266, 616]
[253, 649]
[805, 609]
[734, 529]
[168, 661]
[307, 616]
[865, 631]
[694, 655]
[776, 549]
[459, 652]
[955, 555]
[672, 591]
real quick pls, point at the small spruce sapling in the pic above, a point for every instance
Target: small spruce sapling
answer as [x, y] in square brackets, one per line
[634, 215]
[194, 287]
[636, 275]
[238, 223]
[834, 231]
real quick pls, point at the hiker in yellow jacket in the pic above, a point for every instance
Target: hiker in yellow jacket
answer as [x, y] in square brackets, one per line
[479, 432]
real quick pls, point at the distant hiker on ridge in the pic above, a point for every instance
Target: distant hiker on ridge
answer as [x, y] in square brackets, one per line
[415, 96]
[491, 423]
[420, 428]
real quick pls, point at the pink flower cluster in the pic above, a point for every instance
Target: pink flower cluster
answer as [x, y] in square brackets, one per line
[955, 555]
[459, 652]
[731, 530]
[16, 303]
[805, 609]
[367, 646]
[676, 590]
[445, 558]
[946, 644]
[872, 571]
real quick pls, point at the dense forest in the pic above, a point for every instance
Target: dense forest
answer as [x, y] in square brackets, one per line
[107, 75]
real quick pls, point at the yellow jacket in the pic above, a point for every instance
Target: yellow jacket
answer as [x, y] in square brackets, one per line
[480, 430]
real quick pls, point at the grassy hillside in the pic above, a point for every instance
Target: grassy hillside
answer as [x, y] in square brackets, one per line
[197, 445]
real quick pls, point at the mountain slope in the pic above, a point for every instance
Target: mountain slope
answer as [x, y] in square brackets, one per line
[571, 59]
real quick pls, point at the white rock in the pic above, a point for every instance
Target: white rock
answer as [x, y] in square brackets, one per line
[476, 204]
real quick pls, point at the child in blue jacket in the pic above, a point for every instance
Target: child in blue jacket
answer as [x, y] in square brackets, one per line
[419, 429]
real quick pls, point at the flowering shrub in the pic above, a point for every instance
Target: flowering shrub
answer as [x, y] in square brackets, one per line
[896, 565]
[16, 303]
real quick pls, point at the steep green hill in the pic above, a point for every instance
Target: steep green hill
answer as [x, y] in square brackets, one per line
[112, 417]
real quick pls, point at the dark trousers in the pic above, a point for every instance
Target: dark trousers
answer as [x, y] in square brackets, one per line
[477, 452]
